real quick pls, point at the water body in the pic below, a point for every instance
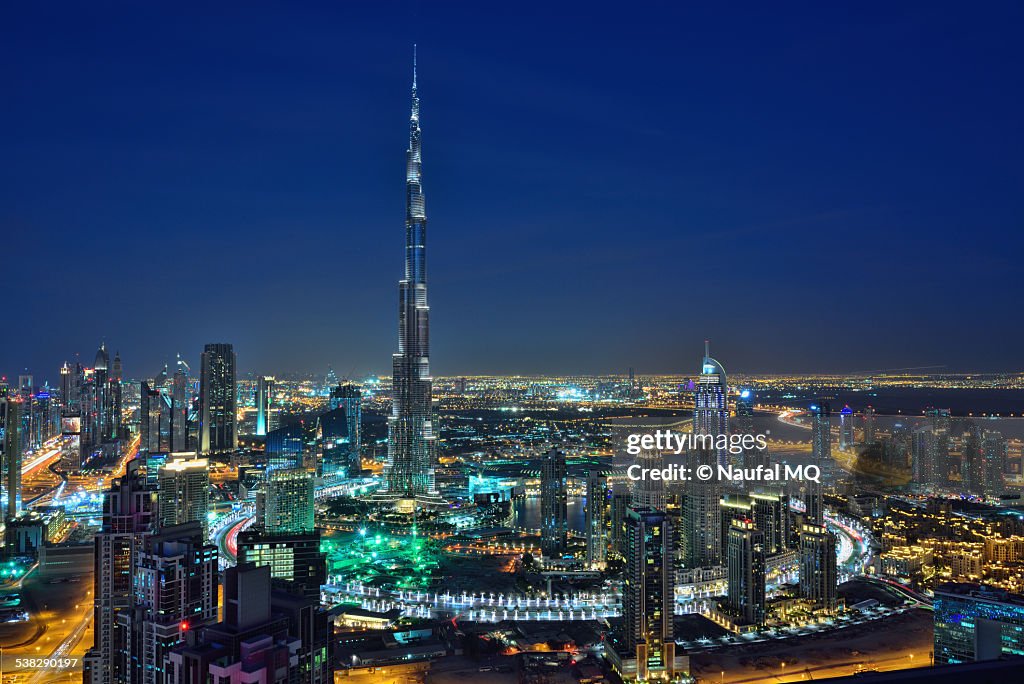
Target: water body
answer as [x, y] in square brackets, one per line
[906, 400]
[528, 513]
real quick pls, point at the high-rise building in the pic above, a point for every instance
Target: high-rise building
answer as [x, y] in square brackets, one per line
[930, 449]
[814, 501]
[129, 509]
[154, 421]
[994, 452]
[974, 622]
[711, 409]
[10, 449]
[649, 492]
[175, 592]
[180, 407]
[264, 404]
[597, 519]
[412, 442]
[771, 516]
[648, 593]
[846, 433]
[218, 431]
[116, 398]
[821, 433]
[869, 425]
[818, 574]
[554, 532]
[342, 427]
[746, 567]
[619, 500]
[288, 501]
[184, 492]
[265, 637]
[701, 518]
[296, 563]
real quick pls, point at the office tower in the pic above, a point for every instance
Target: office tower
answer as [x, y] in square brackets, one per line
[330, 380]
[994, 451]
[733, 507]
[818, 575]
[702, 522]
[619, 500]
[67, 383]
[296, 562]
[711, 411]
[746, 566]
[264, 637]
[648, 592]
[632, 384]
[184, 496]
[597, 519]
[285, 447]
[814, 502]
[342, 438]
[101, 396]
[180, 406]
[869, 425]
[264, 403]
[554, 532]
[974, 622]
[116, 397]
[743, 424]
[821, 433]
[217, 403]
[771, 516]
[175, 592]
[10, 449]
[288, 503]
[972, 464]
[930, 449]
[648, 492]
[129, 509]
[412, 445]
[154, 422]
[846, 428]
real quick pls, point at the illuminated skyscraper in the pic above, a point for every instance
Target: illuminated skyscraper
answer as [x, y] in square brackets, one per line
[180, 407]
[10, 449]
[288, 505]
[217, 402]
[264, 401]
[129, 508]
[554, 532]
[341, 428]
[846, 428]
[711, 410]
[821, 433]
[869, 425]
[648, 593]
[412, 446]
[702, 520]
[597, 519]
[746, 566]
[184, 485]
[974, 622]
[818, 578]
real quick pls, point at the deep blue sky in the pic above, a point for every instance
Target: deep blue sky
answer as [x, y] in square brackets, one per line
[815, 189]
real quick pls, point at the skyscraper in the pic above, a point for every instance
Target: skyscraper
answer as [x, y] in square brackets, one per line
[846, 428]
[180, 407]
[554, 532]
[288, 504]
[175, 592]
[264, 402]
[412, 445]
[10, 449]
[184, 492]
[702, 521]
[821, 433]
[746, 566]
[217, 403]
[296, 562]
[342, 430]
[869, 425]
[648, 592]
[597, 519]
[818, 578]
[129, 508]
[711, 410]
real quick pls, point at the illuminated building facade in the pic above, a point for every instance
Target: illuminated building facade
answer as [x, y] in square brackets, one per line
[341, 431]
[973, 622]
[295, 560]
[412, 443]
[597, 519]
[711, 410]
[554, 532]
[288, 501]
[184, 492]
[218, 430]
[264, 403]
[818, 572]
[648, 593]
[821, 432]
[10, 449]
[746, 567]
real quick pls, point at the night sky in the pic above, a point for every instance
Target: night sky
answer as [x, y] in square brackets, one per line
[814, 189]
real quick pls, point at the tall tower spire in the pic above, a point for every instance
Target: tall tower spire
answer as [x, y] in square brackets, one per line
[412, 446]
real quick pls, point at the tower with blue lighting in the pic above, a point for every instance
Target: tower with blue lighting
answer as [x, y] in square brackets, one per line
[412, 445]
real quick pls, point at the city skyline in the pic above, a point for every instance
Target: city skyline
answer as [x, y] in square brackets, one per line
[787, 168]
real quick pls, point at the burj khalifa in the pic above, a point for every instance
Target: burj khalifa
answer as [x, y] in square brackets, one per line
[412, 442]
